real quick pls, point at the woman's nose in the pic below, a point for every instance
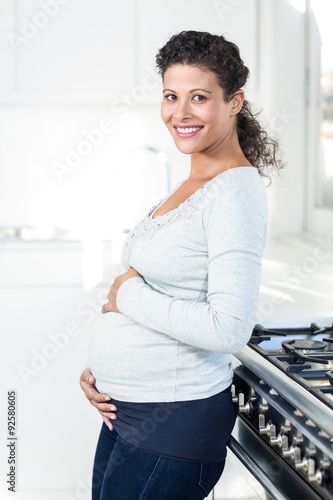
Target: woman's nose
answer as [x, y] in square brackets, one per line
[182, 110]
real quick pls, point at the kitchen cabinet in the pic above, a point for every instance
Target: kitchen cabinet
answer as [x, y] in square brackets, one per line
[61, 51]
[48, 318]
[44, 346]
[66, 51]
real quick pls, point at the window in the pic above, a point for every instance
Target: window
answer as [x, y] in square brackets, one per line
[320, 129]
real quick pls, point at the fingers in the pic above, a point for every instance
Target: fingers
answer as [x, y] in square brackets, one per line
[98, 401]
[106, 308]
[107, 418]
[87, 383]
[102, 406]
[111, 305]
[108, 423]
[86, 375]
[93, 395]
[108, 414]
[87, 379]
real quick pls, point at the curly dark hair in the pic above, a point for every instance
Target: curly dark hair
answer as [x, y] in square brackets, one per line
[222, 57]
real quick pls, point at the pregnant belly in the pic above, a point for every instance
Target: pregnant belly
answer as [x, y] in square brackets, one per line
[129, 361]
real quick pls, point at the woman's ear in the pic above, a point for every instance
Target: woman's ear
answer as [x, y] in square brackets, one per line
[237, 102]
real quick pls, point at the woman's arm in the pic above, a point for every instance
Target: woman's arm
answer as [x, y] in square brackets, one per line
[87, 383]
[236, 231]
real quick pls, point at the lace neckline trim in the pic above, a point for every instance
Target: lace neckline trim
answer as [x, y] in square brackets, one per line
[148, 226]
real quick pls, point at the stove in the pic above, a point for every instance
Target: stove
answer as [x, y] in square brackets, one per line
[283, 386]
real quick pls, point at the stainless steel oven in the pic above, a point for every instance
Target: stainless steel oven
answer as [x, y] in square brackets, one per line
[283, 388]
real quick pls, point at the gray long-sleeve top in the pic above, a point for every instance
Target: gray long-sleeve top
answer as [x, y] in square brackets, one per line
[201, 265]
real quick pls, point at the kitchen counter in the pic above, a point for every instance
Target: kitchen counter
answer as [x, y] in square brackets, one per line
[47, 262]
[297, 281]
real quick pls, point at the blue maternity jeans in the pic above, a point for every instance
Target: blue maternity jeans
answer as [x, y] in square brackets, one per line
[123, 471]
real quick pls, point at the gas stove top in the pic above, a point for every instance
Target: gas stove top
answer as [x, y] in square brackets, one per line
[303, 354]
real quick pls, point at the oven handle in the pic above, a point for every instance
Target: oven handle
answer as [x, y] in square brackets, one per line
[254, 468]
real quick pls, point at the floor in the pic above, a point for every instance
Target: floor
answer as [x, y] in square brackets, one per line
[237, 483]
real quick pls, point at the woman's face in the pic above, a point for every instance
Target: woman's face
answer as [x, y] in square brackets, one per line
[194, 110]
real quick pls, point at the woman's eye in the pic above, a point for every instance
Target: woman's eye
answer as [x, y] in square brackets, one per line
[199, 98]
[170, 97]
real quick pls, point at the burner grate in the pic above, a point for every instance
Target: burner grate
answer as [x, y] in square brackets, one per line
[305, 345]
[298, 348]
[304, 354]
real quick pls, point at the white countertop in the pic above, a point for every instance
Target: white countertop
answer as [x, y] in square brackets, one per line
[297, 281]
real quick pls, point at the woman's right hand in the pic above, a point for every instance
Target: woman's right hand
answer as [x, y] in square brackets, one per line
[87, 383]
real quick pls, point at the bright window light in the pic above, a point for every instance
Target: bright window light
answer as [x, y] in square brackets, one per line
[300, 5]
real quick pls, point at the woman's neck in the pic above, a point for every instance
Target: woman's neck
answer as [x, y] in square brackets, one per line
[205, 167]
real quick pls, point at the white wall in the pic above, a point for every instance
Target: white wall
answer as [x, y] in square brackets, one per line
[282, 96]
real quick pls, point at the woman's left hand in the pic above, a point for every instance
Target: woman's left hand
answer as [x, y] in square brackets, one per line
[111, 305]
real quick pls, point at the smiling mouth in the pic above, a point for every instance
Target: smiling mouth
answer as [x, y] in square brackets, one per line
[187, 131]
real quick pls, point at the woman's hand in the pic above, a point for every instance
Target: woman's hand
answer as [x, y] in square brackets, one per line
[87, 383]
[111, 305]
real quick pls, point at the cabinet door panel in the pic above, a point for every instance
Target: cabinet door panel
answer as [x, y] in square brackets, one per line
[78, 46]
[45, 334]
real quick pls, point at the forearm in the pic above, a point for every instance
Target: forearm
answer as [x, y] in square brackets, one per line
[206, 325]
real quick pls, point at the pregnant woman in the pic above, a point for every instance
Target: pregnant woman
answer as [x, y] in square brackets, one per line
[188, 297]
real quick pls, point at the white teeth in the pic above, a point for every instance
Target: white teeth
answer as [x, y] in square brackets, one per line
[188, 130]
